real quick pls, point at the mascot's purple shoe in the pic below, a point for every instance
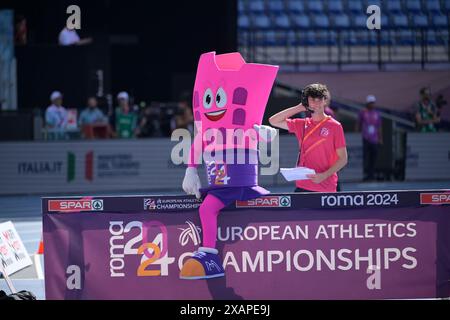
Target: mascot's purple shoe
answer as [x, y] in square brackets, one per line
[204, 264]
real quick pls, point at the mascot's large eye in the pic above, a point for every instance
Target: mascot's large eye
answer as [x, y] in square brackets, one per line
[207, 99]
[221, 98]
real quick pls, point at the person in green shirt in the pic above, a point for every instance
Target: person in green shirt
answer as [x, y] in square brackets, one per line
[126, 119]
[426, 114]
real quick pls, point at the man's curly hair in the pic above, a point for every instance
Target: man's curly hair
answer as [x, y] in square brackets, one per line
[316, 90]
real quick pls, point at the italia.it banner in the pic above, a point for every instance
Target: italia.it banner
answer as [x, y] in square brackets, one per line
[383, 245]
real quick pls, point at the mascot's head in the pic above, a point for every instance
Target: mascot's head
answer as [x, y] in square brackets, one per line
[230, 93]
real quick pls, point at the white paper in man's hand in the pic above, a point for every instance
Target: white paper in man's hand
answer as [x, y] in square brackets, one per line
[298, 173]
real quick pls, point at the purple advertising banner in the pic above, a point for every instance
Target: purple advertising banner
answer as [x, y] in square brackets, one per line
[382, 245]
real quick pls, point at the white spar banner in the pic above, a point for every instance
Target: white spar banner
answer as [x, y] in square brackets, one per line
[13, 255]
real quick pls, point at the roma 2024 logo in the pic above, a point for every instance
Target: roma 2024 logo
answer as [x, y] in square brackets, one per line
[148, 240]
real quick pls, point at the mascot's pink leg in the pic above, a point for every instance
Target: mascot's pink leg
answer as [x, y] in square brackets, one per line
[209, 211]
[205, 263]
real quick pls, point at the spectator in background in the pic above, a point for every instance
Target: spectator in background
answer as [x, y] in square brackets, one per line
[426, 115]
[149, 123]
[126, 119]
[56, 117]
[184, 118]
[369, 123]
[440, 103]
[92, 114]
[69, 37]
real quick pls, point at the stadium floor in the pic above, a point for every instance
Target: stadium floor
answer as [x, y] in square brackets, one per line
[25, 212]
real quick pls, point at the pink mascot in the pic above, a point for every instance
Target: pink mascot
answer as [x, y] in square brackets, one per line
[229, 101]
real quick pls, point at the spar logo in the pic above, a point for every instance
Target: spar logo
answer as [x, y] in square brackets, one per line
[435, 198]
[266, 202]
[192, 232]
[75, 205]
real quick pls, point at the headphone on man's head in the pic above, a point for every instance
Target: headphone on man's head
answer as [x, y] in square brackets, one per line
[304, 100]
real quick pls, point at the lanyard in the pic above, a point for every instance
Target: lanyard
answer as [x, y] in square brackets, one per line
[315, 128]
[301, 158]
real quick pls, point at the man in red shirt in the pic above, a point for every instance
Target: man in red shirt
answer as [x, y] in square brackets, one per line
[320, 137]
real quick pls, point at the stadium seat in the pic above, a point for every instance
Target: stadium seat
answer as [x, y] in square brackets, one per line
[439, 20]
[394, 6]
[433, 6]
[315, 6]
[321, 21]
[335, 6]
[323, 37]
[243, 22]
[349, 37]
[261, 21]
[419, 21]
[413, 6]
[355, 6]
[295, 6]
[307, 37]
[301, 21]
[431, 37]
[341, 21]
[360, 21]
[400, 21]
[385, 22]
[406, 37]
[281, 21]
[366, 37]
[275, 6]
[256, 6]
[446, 6]
[241, 7]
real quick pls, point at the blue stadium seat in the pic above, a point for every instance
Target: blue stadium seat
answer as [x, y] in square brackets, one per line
[315, 6]
[386, 38]
[291, 38]
[439, 21]
[275, 6]
[301, 21]
[432, 37]
[400, 21]
[443, 34]
[295, 6]
[385, 22]
[241, 6]
[243, 21]
[341, 21]
[375, 2]
[433, 6]
[261, 21]
[446, 6]
[394, 6]
[282, 21]
[321, 21]
[307, 38]
[335, 6]
[256, 6]
[366, 37]
[406, 37]
[349, 37]
[419, 21]
[323, 37]
[355, 6]
[360, 21]
[413, 6]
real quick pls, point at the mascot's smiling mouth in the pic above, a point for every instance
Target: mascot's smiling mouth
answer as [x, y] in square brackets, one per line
[216, 115]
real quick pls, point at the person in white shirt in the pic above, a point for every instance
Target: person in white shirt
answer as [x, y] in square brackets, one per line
[56, 117]
[69, 37]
